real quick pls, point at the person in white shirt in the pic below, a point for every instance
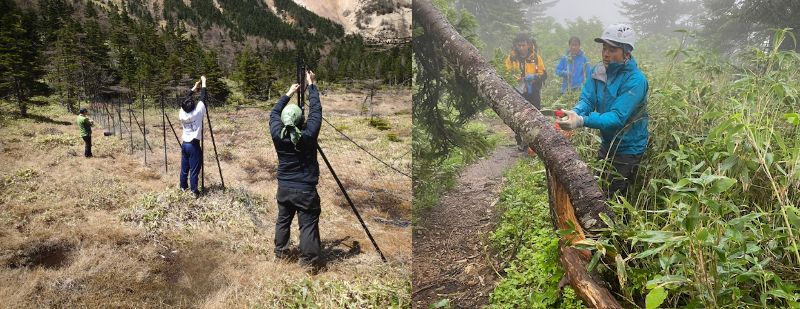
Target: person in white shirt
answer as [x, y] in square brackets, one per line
[191, 117]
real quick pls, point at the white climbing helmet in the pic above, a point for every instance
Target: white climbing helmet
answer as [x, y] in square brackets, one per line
[617, 33]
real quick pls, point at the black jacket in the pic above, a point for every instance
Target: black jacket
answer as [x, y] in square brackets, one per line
[298, 168]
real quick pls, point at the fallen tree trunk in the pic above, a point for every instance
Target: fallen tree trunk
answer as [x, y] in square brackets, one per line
[593, 294]
[537, 131]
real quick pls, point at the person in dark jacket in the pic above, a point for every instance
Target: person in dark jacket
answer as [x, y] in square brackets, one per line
[191, 116]
[298, 172]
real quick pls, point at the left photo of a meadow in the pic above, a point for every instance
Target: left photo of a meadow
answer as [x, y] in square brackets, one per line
[205, 153]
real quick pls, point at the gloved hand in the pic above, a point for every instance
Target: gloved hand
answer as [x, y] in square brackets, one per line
[572, 122]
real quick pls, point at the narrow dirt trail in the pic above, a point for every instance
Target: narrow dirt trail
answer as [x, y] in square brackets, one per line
[452, 258]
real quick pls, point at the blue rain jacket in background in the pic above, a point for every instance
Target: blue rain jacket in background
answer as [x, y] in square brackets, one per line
[614, 100]
[573, 70]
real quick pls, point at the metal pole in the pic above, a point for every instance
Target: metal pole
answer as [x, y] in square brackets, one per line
[144, 128]
[173, 132]
[130, 122]
[109, 118]
[110, 115]
[352, 206]
[164, 133]
[140, 126]
[119, 116]
[213, 143]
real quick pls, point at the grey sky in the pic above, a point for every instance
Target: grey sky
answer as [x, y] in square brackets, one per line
[606, 10]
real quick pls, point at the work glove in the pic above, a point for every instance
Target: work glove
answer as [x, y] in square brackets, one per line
[572, 121]
[531, 77]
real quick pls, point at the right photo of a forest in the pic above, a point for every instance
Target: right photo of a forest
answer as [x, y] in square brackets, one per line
[606, 154]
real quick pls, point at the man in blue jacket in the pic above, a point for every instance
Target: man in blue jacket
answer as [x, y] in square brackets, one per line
[298, 172]
[614, 101]
[573, 66]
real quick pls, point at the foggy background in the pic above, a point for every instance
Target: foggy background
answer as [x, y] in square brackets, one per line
[606, 10]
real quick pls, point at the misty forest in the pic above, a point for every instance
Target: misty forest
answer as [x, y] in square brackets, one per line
[711, 220]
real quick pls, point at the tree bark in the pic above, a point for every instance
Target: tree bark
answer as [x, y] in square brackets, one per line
[593, 294]
[572, 183]
[537, 131]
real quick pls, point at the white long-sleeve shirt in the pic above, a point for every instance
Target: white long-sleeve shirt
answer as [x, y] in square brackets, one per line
[193, 122]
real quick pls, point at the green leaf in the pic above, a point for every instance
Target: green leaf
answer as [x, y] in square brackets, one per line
[728, 163]
[794, 216]
[743, 219]
[657, 236]
[779, 294]
[622, 275]
[722, 184]
[792, 118]
[594, 261]
[690, 222]
[655, 297]
[667, 280]
[650, 252]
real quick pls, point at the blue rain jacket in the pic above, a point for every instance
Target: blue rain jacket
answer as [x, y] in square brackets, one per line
[614, 101]
[573, 70]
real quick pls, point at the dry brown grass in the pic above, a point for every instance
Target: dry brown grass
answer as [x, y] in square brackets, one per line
[111, 231]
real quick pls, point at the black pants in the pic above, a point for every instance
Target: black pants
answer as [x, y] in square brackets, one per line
[306, 205]
[87, 150]
[626, 167]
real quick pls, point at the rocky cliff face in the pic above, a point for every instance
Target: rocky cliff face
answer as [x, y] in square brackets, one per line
[370, 18]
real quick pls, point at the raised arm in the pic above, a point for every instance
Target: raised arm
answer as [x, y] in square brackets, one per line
[203, 89]
[314, 121]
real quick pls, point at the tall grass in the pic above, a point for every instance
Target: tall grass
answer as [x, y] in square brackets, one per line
[714, 219]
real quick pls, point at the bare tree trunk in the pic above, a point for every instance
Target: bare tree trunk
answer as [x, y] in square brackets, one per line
[570, 180]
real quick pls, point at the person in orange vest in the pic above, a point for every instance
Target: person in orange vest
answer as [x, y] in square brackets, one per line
[528, 68]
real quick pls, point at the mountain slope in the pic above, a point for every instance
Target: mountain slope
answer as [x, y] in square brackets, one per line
[368, 18]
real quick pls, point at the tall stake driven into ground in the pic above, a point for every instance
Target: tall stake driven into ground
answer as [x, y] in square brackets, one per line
[130, 123]
[214, 144]
[537, 131]
[144, 129]
[164, 133]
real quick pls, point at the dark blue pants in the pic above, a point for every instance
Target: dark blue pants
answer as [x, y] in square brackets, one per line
[307, 205]
[191, 157]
